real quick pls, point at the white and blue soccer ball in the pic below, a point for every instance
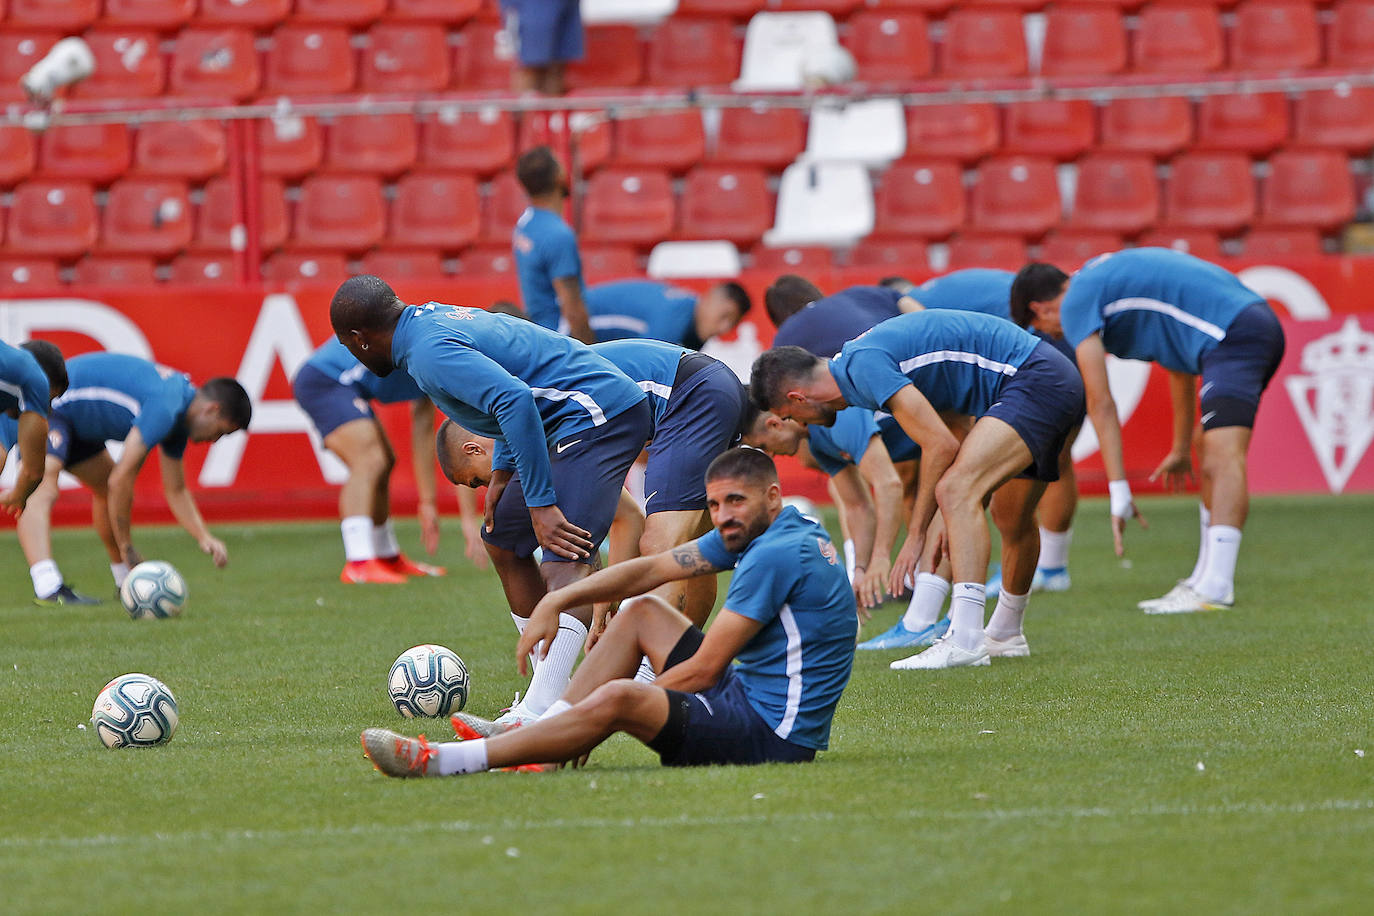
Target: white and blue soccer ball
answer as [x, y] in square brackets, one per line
[134, 710]
[153, 589]
[428, 681]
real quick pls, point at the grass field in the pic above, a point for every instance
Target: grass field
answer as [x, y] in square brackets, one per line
[1213, 763]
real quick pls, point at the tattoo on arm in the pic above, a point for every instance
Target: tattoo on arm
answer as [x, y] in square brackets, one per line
[689, 557]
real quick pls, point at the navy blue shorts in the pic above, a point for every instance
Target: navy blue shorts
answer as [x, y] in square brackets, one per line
[1237, 370]
[328, 403]
[718, 726]
[1061, 344]
[589, 469]
[67, 448]
[544, 31]
[702, 419]
[1044, 403]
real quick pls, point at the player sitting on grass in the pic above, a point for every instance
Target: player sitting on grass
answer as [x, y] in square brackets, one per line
[788, 619]
[31, 375]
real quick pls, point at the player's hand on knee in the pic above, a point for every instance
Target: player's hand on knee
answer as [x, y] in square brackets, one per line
[216, 549]
[495, 488]
[559, 535]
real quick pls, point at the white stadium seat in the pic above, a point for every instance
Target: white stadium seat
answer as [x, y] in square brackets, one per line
[671, 260]
[872, 132]
[779, 46]
[641, 12]
[822, 203]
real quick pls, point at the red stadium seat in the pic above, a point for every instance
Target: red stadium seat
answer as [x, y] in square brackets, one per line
[1264, 242]
[482, 142]
[435, 211]
[1210, 191]
[922, 198]
[1309, 188]
[384, 144]
[146, 216]
[405, 58]
[736, 9]
[767, 137]
[1351, 38]
[28, 273]
[52, 218]
[613, 57]
[404, 265]
[18, 52]
[339, 211]
[215, 219]
[693, 52]
[92, 152]
[260, 14]
[1178, 38]
[610, 262]
[309, 60]
[892, 256]
[964, 132]
[128, 65]
[1254, 123]
[726, 203]
[1159, 126]
[451, 12]
[344, 12]
[289, 147]
[1069, 248]
[1342, 118]
[1275, 35]
[983, 42]
[163, 15]
[504, 203]
[1116, 193]
[328, 268]
[981, 250]
[591, 133]
[215, 64]
[18, 154]
[60, 15]
[673, 140]
[1084, 40]
[793, 259]
[115, 270]
[181, 149]
[483, 59]
[1197, 242]
[628, 207]
[204, 267]
[487, 261]
[890, 47]
[1050, 127]
[1016, 194]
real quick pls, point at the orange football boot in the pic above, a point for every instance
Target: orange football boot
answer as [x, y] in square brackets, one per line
[356, 572]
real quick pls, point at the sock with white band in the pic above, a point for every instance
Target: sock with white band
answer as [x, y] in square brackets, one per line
[1054, 549]
[119, 572]
[552, 674]
[966, 609]
[454, 757]
[384, 541]
[47, 578]
[1218, 577]
[1007, 616]
[558, 707]
[357, 538]
[1204, 518]
[849, 558]
[645, 674]
[927, 600]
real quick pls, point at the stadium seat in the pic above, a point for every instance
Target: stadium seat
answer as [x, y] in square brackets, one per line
[18, 154]
[837, 8]
[890, 46]
[1178, 38]
[128, 65]
[28, 273]
[591, 134]
[441, 211]
[450, 12]
[163, 15]
[1197, 242]
[215, 218]
[613, 57]
[891, 256]
[983, 43]
[403, 265]
[218, 63]
[1342, 118]
[767, 137]
[1116, 193]
[719, 202]
[672, 140]
[1016, 195]
[1275, 35]
[1083, 40]
[502, 206]
[339, 211]
[923, 198]
[59, 15]
[382, 144]
[872, 132]
[1308, 188]
[483, 58]
[778, 46]
[793, 259]
[715, 258]
[91, 152]
[181, 149]
[822, 203]
[1069, 248]
[52, 218]
[982, 250]
[405, 58]
[1050, 127]
[18, 52]
[1158, 126]
[1350, 41]
[146, 216]
[309, 60]
[260, 14]
[628, 207]
[1210, 191]
[1264, 242]
[482, 142]
[1253, 123]
[693, 52]
[290, 267]
[735, 9]
[344, 12]
[610, 262]
[963, 132]
[289, 146]
[204, 267]
[487, 261]
[114, 270]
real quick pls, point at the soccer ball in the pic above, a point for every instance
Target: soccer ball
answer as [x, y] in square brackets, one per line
[134, 710]
[153, 589]
[428, 681]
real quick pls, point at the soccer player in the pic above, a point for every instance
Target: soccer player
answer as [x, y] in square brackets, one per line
[121, 398]
[647, 308]
[1025, 398]
[31, 375]
[807, 318]
[547, 262]
[1193, 318]
[788, 619]
[334, 390]
[567, 425]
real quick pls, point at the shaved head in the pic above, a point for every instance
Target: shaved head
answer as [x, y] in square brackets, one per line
[464, 456]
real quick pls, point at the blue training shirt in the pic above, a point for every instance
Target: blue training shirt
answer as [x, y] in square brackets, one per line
[795, 668]
[977, 289]
[545, 249]
[23, 383]
[644, 309]
[846, 441]
[1154, 304]
[333, 359]
[650, 364]
[957, 360]
[111, 393]
[503, 377]
[826, 325]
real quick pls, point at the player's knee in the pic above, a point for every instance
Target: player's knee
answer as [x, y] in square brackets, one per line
[611, 702]
[373, 464]
[953, 492]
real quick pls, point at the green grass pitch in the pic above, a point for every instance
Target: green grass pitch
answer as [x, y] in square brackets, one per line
[1218, 763]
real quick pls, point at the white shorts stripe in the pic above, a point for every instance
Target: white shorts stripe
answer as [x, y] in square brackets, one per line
[578, 397]
[1167, 309]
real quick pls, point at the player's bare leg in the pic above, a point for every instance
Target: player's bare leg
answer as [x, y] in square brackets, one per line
[362, 447]
[1058, 506]
[1224, 474]
[664, 530]
[1013, 512]
[35, 539]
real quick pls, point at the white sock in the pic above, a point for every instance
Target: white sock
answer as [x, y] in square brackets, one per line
[559, 706]
[455, 757]
[46, 577]
[552, 674]
[520, 622]
[1007, 616]
[1204, 518]
[357, 538]
[849, 558]
[645, 674]
[120, 572]
[966, 614]
[384, 541]
[1054, 548]
[927, 600]
[1219, 576]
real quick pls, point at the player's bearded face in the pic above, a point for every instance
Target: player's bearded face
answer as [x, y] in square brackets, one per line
[739, 510]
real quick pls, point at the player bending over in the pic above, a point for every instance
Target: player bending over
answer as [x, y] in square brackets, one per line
[31, 375]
